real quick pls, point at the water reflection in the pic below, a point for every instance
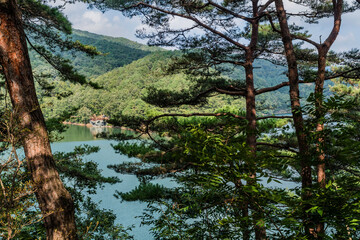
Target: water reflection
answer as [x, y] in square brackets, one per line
[98, 131]
[126, 212]
[76, 133]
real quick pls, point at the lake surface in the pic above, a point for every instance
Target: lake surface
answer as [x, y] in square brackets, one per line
[126, 212]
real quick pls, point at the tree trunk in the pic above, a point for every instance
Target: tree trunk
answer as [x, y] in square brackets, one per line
[54, 200]
[321, 175]
[306, 179]
[260, 231]
[323, 49]
[251, 133]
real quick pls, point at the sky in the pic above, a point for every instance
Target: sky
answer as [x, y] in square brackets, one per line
[112, 23]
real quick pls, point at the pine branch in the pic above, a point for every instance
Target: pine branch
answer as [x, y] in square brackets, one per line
[284, 84]
[292, 35]
[265, 6]
[224, 9]
[267, 117]
[64, 68]
[194, 114]
[270, 89]
[194, 19]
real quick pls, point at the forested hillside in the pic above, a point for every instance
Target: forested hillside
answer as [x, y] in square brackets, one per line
[123, 89]
[116, 52]
[127, 69]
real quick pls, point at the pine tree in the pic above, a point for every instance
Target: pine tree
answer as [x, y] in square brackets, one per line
[54, 200]
[322, 57]
[220, 40]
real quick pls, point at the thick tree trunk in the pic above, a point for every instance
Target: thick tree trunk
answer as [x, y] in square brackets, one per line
[306, 179]
[54, 200]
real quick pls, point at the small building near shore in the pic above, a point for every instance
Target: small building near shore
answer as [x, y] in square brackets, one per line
[99, 121]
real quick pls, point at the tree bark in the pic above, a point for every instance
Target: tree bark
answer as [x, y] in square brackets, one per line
[319, 90]
[251, 133]
[260, 231]
[54, 200]
[306, 178]
[323, 49]
[321, 175]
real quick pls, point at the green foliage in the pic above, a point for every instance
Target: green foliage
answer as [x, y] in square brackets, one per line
[99, 224]
[146, 192]
[84, 114]
[209, 158]
[123, 89]
[209, 195]
[84, 174]
[209, 162]
[54, 18]
[18, 205]
[62, 65]
[20, 216]
[133, 150]
[47, 32]
[116, 52]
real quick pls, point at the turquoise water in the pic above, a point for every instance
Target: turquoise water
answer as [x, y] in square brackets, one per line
[126, 212]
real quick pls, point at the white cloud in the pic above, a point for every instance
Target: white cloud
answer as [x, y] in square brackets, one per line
[180, 23]
[94, 21]
[116, 19]
[95, 17]
[110, 23]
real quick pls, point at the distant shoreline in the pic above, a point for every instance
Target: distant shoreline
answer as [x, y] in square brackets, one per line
[89, 125]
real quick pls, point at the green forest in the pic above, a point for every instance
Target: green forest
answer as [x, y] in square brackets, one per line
[127, 70]
[242, 121]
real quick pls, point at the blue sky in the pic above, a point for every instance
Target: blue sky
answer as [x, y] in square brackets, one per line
[112, 23]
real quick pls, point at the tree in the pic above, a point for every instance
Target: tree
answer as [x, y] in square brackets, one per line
[20, 216]
[336, 8]
[211, 17]
[54, 200]
[215, 20]
[84, 114]
[15, 187]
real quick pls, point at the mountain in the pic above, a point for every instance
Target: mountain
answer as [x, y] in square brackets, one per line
[123, 89]
[94, 39]
[128, 69]
[116, 52]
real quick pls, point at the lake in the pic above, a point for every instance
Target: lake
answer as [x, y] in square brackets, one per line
[126, 212]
